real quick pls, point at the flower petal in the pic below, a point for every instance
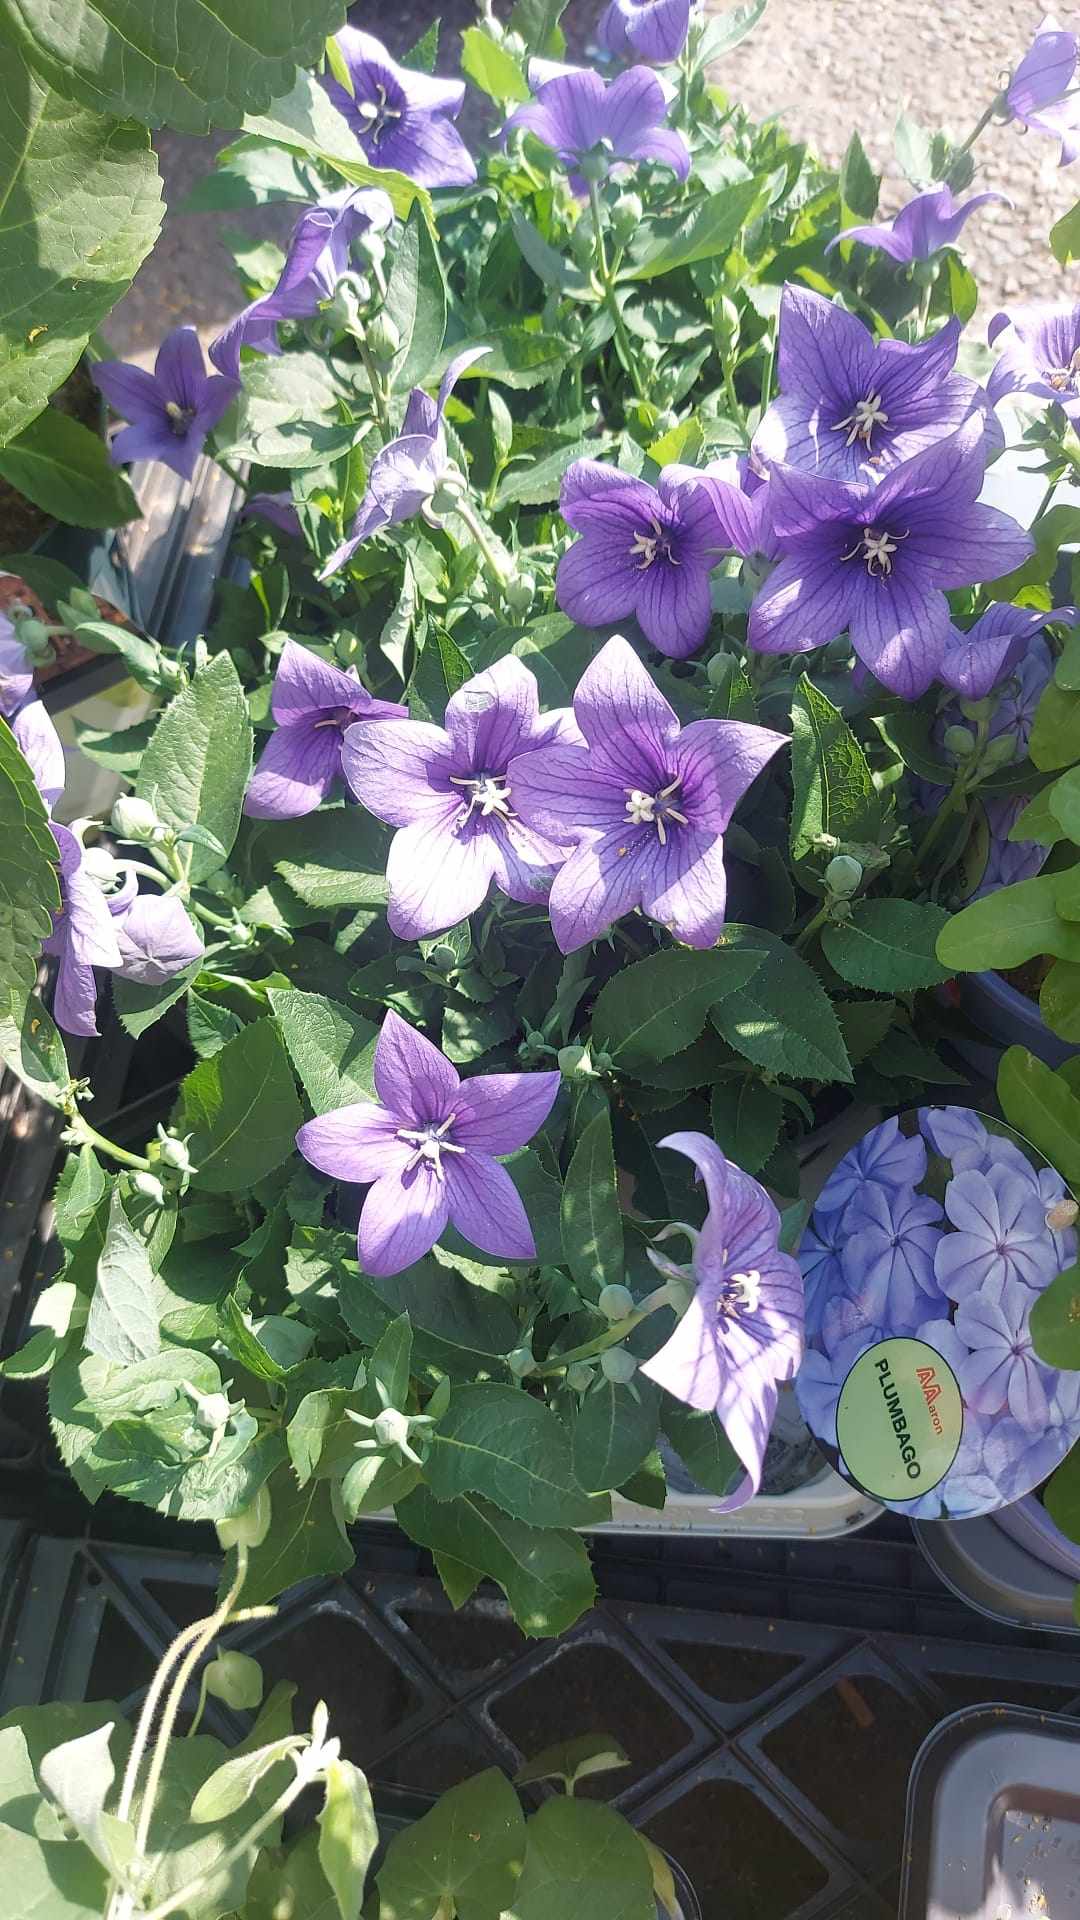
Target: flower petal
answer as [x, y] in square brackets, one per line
[357, 1143]
[716, 761]
[623, 715]
[600, 881]
[493, 716]
[130, 391]
[437, 876]
[826, 354]
[805, 602]
[486, 1208]
[180, 370]
[42, 749]
[688, 895]
[689, 1365]
[400, 1220]
[673, 605]
[295, 771]
[305, 684]
[563, 793]
[899, 630]
[498, 1112]
[411, 1076]
[597, 579]
[400, 769]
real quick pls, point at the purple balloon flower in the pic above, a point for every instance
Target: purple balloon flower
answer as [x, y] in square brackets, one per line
[884, 1158]
[428, 1151]
[156, 939]
[451, 792]
[1036, 93]
[405, 473]
[975, 662]
[313, 702]
[171, 410]
[644, 804]
[928, 223]
[1001, 1369]
[1001, 1235]
[742, 1332]
[1040, 355]
[16, 670]
[653, 30]
[875, 559]
[319, 251]
[888, 1260]
[1007, 861]
[575, 113]
[278, 508]
[851, 406]
[41, 748]
[83, 937]
[741, 498]
[643, 550]
[401, 117]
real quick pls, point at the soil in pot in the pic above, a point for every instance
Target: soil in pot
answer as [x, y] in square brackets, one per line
[332, 1657]
[592, 1689]
[729, 1674]
[465, 1642]
[871, 1733]
[741, 1860]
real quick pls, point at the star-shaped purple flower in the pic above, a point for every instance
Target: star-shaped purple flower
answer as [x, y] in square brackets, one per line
[1040, 355]
[643, 550]
[928, 223]
[1001, 1370]
[428, 1149]
[450, 792]
[576, 113]
[740, 496]
[1001, 1235]
[851, 406]
[156, 939]
[875, 559]
[884, 1158]
[401, 117]
[743, 1331]
[653, 30]
[313, 702]
[644, 804]
[976, 661]
[319, 251]
[888, 1260]
[1041, 93]
[42, 749]
[278, 508]
[405, 473]
[171, 410]
[83, 937]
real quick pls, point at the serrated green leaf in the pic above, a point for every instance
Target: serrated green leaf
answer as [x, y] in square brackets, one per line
[65, 470]
[334, 859]
[491, 68]
[306, 1537]
[614, 1432]
[502, 1444]
[572, 1760]
[544, 1572]
[416, 303]
[332, 1049]
[864, 1024]
[889, 945]
[29, 896]
[1055, 730]
[658, 1006]
[592, 1229]
[79, 1191]
[746, 1120]
[859, 184]
[196, 768]
[123, 1324]
[1005, 928]
[241, 1110]
[833, 790]
[782, 1019]
[231, 1785]
[664, 245]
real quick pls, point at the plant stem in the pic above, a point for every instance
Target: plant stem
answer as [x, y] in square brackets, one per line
[982, 122]
[184, 1896]
[496, 567]
[606, 277]
[941, 818]
[90, 1137]
[1045, 501]
[236, 478]
[732, 396]
[377, 385]
[611, 1338]
[815, 921]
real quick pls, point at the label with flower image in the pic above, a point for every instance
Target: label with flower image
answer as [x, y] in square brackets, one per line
[899, 1419]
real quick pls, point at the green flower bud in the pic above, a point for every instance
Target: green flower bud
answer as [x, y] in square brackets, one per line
[383, 338]
[173, 1152]
[135, 819]
[999, 753]
[579, 1376]
[618, 1366]
[519, 594]
[148, 1187]
[34, 636]
[596, 164]
[573, 1060]
[615, 1302]
[370, 246]
[521, 1362]
[843, 875]
[959, 741]
[250, 1527]
[171, 674]
[583, 243]
[102, 868]
[626, 217]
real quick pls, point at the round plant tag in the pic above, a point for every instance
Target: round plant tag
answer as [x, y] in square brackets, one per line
[927, 1249]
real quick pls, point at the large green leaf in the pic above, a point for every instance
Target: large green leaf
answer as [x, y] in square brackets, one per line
[241, 1110]
[172, 63]
[306, 1537]
[680, 240]
[513, 1450]
[29, 895]
[543, 1571]
[460, 1328]
[65, 470]
[123, 1323]
[416, 303]
[305, 120]
[1040, 1105]
[701, 1444]
[1055, 1321]
[333, 859]
[80, 208]
[659, 1005]
[1005, 928]
[889, 945]
[782, 1019]
[464, 1857]
[615, 1431]
[332, 1049]
[196, 768]
[592, 1230]
[56, 1880]
[832, 787]
[583, 1859]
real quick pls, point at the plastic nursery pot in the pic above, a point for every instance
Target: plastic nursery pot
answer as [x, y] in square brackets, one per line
[998, 1574]
[689, 1906]
[1007, 1018]
[993, 1818]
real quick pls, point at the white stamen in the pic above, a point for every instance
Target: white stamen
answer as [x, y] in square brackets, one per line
[860, 423]
[654, 810]
[741, 1293]
[430, 1146]
[490, 792]
[877, 550]
[647, 543]
[1063, 379]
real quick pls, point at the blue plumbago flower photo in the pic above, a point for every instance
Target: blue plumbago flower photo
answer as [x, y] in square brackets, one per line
[653, 30]
[1040, 355]
[969, 1487]
[741, 1334]
[975, 662]
[1000, 1370]
[643, 805]
[428, 1150]
[313, 703]
[852, 406]
[888, 1258]
[616, 123]
[821, 1258]
[156, 938]
[319, 251]
[451, 793]
[402, 118]
[875, 559]
[1042, 92]
[1001, 1235]
[954, 1130]
[171, 410]
[927, 224]
[1018, 1459]
[885, 1157]
[1007, 861]
[642, 550]
[83, 937]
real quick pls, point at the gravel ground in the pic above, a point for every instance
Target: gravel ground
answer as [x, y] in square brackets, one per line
[822, 65]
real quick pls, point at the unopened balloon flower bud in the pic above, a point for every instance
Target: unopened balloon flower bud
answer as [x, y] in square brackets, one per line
[596, 164]
[626, 217]
[521, 1362]
[615, 1302]
[579, 1376]
[519, 593]
[102, 868]
[391, 1428]
[574, 1061]
[451, 487]
[383, 338]
[135, 819]
[959, 741]
[173, 1151]
[170, 673]
[843, 875]
[618, 1366]
[33, 637]
[1000, 752]
[148, 1187]
[370, 246]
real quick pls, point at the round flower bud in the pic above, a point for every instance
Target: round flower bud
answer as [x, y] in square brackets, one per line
[370, 246]
[102, 868]
[173, 1151]
[618, 1366]
[959, 741]
[134, 819]
[148, 1187]
[626, 217]
[33, 636]
[1062, 1214]
[249, 1528]
[391, 1428]
[999, 753]
[579, 1376]
[596, 164]
[383, 338]
[519, 593]
[843, 875]
[521, 1362]
[583, 244]
[616, 1302]
[170, 673]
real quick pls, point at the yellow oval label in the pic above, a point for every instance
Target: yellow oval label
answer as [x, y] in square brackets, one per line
[899, 1419]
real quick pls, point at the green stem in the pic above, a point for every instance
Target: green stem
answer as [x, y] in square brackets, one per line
[982, 122]
[611, 1338]
[815, 921]
[944, 814]
[212, 919]
[732, 396]
[495, 566]
[236, 478]
[90, 1137]
[1045, 501]
[185, 1896]
[378, 387]
[606, 276]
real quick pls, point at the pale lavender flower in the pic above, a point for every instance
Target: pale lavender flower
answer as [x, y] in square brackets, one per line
[852, 406]
[16, 669]
[875, 559]
[975, 662]
[83, 937]
[953, 1130]
[888, 1261]
[1001, 1370]
[1040, 355]
[171, 410]
[576, 114]
[405, 473]
[41, 748]
[644, 805]
[653, 30]
[319, 251]
[928, 223]
[1001, 1235]
[742, 1332]
[401, 117]
[643, 550]
[156, 939]
[884, 1158]
[1042, 91]
[313, 703]
[428, 1149]
[278, 508]
[1017, 1459]
[451, 792]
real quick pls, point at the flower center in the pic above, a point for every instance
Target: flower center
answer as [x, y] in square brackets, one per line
[180, 418]
[488, 794]
[877, 549]
[379, 116]
[654, 809]
[740, 1293]
[1063, 379]
[864, 417]
[430, 1144]
[648, 545]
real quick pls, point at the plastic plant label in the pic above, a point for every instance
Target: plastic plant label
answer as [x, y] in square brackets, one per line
[928, 1246]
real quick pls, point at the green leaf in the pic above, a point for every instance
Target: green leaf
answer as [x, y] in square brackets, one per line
[235, 1678]
[1061, 1497]
[513, 1450]
[1005, 928]
[181, 1851]
[1055, 1321]
[348, 1835]
[78, 1776]
[55, 1880]
[592, 1229]
[117, 750]
[79, 1191]
[123, 1323]
[65, 470]
[139, 1006]
[746, 1120]
[659, 1005]
[573, 1760]
[702, 1446]
[306, 121]
[491, 68]
[306, 1537]
[859, 184]
[241, 1109]
[544, 1572]
[583, 1858]
[80, 208]
[833, 789]
[537, 21]
[1038, 1103]
[196, 768]
[209, 1024]
[331, 1049]
[615, 1430]
[1065, 236]
[334, 859]
[416, 303]
[29, 895]
[678, 241]
[172, 63]
[889, 945]
[461, 1328]
[464, 1857]
[724, 31]
[231, 1785]
[1055, 732]
[783, 1019]
[1059, 999]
